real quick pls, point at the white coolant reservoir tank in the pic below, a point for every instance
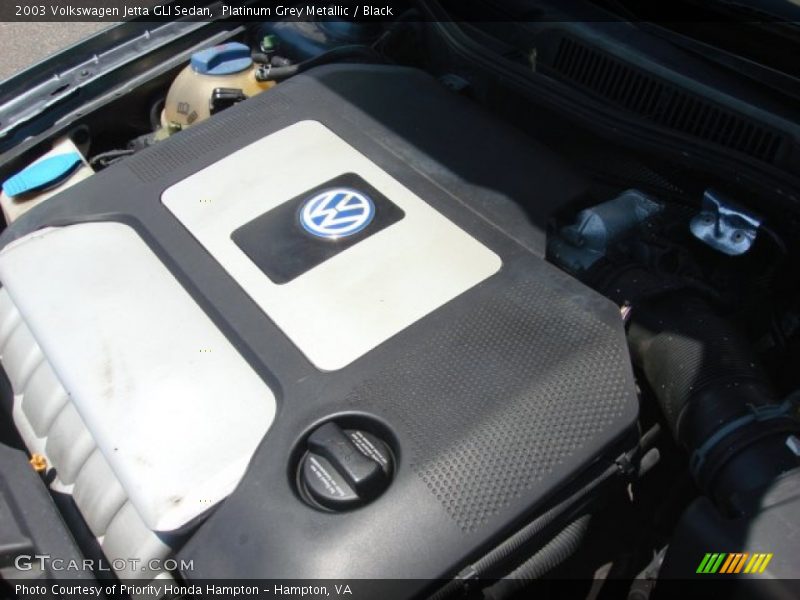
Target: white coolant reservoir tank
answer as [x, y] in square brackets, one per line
[227, 67]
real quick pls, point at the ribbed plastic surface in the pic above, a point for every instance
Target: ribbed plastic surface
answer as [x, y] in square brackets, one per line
[663, 103]
[51, 426]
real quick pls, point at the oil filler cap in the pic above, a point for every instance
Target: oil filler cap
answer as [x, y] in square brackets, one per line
[344, 468]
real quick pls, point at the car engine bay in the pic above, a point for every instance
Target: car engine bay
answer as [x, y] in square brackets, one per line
[455, 303]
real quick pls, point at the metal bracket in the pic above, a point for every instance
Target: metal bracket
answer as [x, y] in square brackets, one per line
[725, 226]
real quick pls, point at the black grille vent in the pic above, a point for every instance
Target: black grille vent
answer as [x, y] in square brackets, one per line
[662, 102]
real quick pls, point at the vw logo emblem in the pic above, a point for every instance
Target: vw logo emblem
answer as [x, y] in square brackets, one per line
[337, 212]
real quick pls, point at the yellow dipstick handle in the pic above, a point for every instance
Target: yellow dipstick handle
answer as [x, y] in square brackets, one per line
[39, 463]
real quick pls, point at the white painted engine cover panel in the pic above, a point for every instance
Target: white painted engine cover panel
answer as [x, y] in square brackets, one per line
[175, 410]
[351, 303]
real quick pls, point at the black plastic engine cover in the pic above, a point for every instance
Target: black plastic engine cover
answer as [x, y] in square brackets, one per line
[492, 403]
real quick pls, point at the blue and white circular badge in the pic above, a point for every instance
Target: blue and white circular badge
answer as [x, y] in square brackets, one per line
[337, 212]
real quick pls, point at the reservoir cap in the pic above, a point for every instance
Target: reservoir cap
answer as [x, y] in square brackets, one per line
[344, 468]
[43, 174]
[224, 59]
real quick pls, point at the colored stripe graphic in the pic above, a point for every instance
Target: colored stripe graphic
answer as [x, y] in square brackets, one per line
[711, 562]
[754, 564]
[741, 562]
[731, 563]
[758, 563]
[764, 564]
[728, 562]
[703, 563]
[717, 563]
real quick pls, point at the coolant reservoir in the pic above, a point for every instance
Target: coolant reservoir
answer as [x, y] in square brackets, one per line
[225, 67]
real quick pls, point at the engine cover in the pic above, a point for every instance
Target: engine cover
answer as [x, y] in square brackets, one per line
[357, 245]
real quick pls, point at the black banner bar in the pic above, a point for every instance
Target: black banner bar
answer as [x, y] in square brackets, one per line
[785, 13]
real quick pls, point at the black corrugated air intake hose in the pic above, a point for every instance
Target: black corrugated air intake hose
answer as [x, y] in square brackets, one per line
[716, 398]
[551, 555]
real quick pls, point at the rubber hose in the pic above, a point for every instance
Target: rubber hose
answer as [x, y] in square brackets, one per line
[708, 383]
[499, 555]
[552, 554]
[270, 73]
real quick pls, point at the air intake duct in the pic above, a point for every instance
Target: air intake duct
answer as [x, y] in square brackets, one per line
[716, 398]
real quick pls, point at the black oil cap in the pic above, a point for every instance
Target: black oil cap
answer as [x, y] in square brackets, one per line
[344, 468]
